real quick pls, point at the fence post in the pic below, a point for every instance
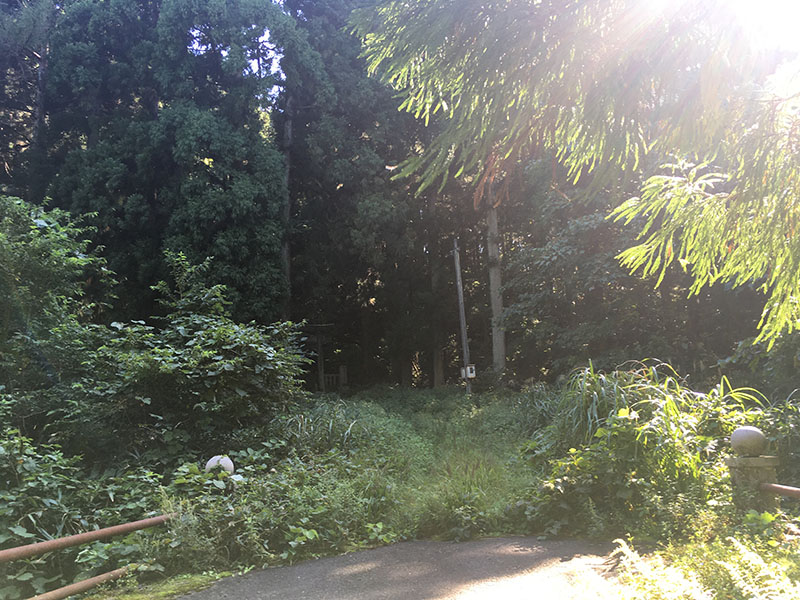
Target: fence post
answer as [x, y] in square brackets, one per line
[750, 469]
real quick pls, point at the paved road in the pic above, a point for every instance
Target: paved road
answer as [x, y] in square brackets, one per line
[499, 569]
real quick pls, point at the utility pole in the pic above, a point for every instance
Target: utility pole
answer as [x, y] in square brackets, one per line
[462, 316]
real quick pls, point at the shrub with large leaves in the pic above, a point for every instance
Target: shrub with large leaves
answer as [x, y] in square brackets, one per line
[171, 387]
[47, 494]
[44, 258]
[45, 267]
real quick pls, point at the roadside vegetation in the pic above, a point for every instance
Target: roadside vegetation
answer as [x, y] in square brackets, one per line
[333, 475]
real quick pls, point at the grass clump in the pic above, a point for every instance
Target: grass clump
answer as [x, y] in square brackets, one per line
[163, 590]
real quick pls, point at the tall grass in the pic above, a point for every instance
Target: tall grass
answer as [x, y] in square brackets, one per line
[634, 451]
[669, 409]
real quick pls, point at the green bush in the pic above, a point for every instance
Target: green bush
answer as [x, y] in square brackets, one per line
[634, 451]
[297, 508]
[45, 264]
[772, 370]
[327, 475]
[49, 495]
[163, 391]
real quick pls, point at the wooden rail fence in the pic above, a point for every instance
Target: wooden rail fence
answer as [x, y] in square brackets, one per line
[38, 548]
[781, 490]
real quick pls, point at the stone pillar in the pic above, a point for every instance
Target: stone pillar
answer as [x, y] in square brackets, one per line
[750, 469]
[747, 475]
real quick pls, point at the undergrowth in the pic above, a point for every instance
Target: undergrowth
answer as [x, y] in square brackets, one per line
[633, 453]
[730, 568]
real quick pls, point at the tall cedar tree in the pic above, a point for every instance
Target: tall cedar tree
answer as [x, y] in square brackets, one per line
[602, 85]
[158, 122]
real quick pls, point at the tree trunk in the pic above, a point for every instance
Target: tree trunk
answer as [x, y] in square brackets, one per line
[401, 361]
[462, 317]
[320, 363]
[406, 375]
[437, 336]
[366, 348]
[438, 366]
[36, 186]
[286, 257]
[38, 109]
[495, 293]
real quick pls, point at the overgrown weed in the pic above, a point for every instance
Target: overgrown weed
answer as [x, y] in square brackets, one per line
[633, 453]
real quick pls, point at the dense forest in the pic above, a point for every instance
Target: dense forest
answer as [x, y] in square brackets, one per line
[212, 212]
[251, 134]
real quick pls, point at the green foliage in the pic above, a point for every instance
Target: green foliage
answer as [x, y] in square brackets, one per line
[501, 102]
[24, 30]
[735, 568]
[174, 587]
[364, 250]
[153, 116]
[338, 475]
[631, 452]
[322, 495]
[50, 495]
[731, 221]
[466, 495]
[363, 429]
[634, 451]
[34, 475]
[311, 502]
[772, 370]
[687, 217]
[45, 267]
[474, 478]
[177, 387]
[569, 301]
[132, 384]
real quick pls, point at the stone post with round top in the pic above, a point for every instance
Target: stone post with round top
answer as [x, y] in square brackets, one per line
[750, 468]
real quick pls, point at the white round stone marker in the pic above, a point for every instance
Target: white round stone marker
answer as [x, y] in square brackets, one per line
[748, 441]
[220, 461]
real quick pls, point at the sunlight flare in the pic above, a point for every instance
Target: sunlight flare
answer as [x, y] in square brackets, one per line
[772, 24]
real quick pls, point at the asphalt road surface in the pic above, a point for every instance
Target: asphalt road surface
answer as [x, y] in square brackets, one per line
[499, 569]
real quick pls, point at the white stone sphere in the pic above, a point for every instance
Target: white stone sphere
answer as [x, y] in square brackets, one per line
[220, 461]
[748, 441]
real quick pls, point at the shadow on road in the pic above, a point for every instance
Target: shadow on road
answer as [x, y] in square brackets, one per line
[491, 568]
